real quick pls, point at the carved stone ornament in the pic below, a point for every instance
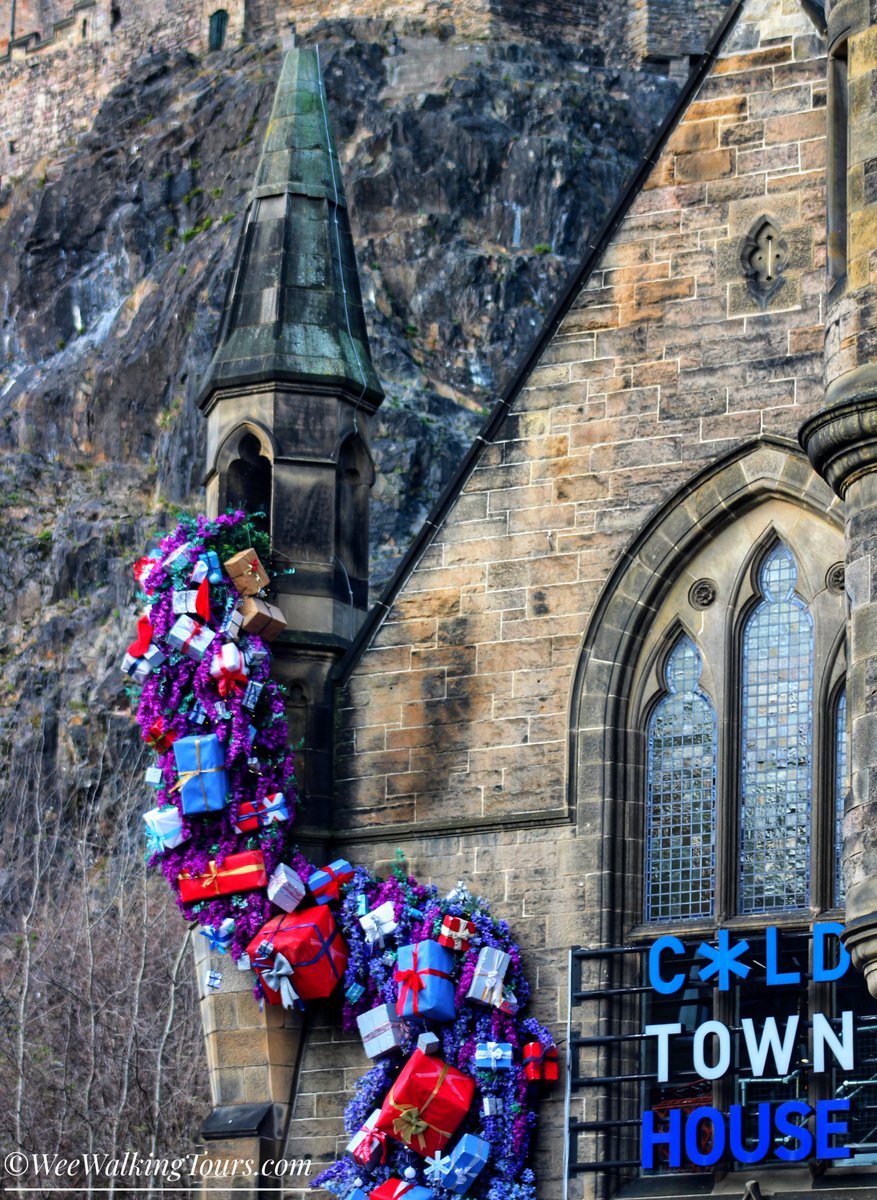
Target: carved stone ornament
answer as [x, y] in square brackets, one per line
[763, 257]
[702, 593]
[834, 578]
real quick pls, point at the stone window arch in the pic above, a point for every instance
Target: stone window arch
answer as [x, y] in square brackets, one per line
[245, 468]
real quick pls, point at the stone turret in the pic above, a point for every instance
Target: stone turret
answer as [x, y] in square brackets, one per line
[842, 439]
[288, 397]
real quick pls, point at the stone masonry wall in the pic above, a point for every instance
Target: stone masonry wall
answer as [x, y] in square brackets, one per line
[454, 727]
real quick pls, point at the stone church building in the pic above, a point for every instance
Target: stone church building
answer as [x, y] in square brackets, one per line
[614, 680]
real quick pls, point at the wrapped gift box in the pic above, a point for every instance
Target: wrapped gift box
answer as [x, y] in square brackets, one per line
[251, 695]
[326, 883]
[487, 983]
[138, 668]
[211, 560]
[428, 1043]
[232, 624]
[253, 813]
[396, 1189]
[227, 668]
[381, 1031]
[369, 1145]
[246, 572]
[456, 933]
[379, 923]
[180, 554]
[155, 777]
[159, 736]
[492, 1106]
[426, 1104]
[186, 602]
[468, 1159]
[540, 1063]
[356, 1194]
[493, 1056]
[262, 618]
[202, 785]
[219, 936]
[253, 653]
[311, 942]
[285, 888]
[166, 826]
[143, 568]
[239, 873]
[190, 637]
[426, 988]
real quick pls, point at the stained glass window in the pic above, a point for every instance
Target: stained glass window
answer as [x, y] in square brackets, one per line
[681, 794]
[776, 770]
[841, 787]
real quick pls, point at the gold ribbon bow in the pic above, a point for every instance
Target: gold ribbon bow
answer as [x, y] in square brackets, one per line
[211, 878]
[186, 776]
[410, 1124]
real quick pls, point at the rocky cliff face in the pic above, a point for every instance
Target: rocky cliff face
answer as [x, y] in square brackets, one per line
[475, 173]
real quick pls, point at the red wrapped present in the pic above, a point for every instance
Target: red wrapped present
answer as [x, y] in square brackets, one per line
[239, 873]
[396, 1189]
[311, 945]
[426, 1103]
[456, 933]
[540, 1063]
[159, 737]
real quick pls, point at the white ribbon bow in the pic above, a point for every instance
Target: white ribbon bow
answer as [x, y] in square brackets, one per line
[374, 930]
[279, 979]
[491, 1050]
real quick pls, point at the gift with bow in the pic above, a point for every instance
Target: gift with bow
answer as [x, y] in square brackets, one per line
[493, 1056]
[396, 1189]
[426, 1104]
[193, 600]
[487, 982]
[381, 1031]
[159, 736]
[219, 936]
[164, 827]
[232, 624]
[311, 943]
[190, 637]
[276, 977]
[251, 695]
[203, 785]
[379, 923]
[369, 1145]
[253, 813]
[242, 872]
[540, 1063]
[227, 668]
[285, 888]
[456, 933]
[142, 656]
[468, 1159]
[326, 883]
[246, 572]
[424, 977]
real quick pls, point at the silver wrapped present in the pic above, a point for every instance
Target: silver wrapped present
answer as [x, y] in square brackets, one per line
[381, 1030]
[191, 637]
[285, 888]
[487, 982]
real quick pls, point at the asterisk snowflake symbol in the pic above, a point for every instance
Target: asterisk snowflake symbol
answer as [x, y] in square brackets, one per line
[723, 960]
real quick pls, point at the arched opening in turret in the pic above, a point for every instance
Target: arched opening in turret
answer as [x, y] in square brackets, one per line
[247, 480]
[218, 27]
[352, 482]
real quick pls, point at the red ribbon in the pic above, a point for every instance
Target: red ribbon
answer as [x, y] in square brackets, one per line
[144, 637]
[196, 629]
[230, 682]
[202, 601]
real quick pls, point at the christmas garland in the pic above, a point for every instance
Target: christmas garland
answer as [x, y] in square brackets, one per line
[435, 986]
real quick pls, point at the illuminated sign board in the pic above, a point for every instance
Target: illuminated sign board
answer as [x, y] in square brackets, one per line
[790, 1131]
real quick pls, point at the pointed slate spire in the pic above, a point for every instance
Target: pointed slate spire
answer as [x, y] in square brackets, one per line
[293, 311]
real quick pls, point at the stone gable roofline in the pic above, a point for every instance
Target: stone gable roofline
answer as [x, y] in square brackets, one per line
[577, 280]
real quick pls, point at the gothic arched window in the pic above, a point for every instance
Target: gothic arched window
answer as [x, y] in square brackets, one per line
[681, 793]
[776, 744]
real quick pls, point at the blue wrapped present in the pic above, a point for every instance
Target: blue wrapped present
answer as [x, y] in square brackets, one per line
[493, 1056]
[426, 987]
[327, 882]
[356, 1194]
[202, 784]
[214, 570]
[468, 1159]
